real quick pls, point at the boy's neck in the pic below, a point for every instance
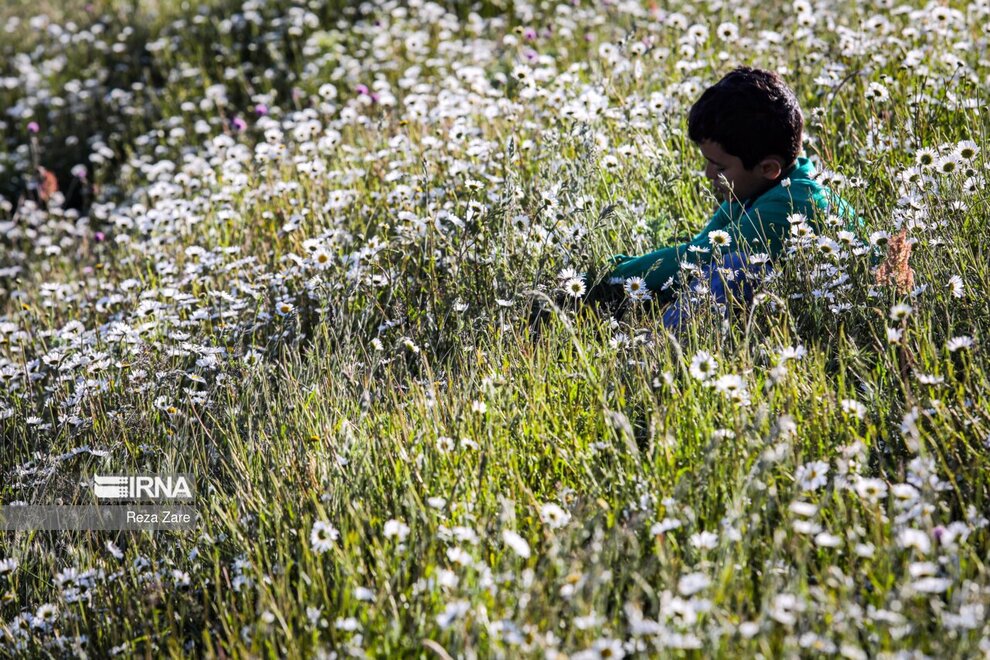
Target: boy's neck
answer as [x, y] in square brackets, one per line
[785, 173]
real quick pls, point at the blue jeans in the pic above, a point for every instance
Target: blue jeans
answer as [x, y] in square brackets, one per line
[729, 280]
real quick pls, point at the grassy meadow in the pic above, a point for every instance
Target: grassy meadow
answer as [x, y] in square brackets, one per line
[292, 248]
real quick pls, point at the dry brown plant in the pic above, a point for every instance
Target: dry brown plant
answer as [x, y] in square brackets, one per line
[895, 269]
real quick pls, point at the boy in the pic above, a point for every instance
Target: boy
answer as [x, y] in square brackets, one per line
[749, 129]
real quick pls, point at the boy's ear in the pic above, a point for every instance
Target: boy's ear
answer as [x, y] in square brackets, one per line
[771, 168]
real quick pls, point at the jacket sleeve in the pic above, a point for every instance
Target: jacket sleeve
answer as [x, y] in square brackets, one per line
[661, 269]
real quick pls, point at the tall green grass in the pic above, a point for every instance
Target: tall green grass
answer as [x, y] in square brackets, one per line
[423, 419]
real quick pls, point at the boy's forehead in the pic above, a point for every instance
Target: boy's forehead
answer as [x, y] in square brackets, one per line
[713, 150]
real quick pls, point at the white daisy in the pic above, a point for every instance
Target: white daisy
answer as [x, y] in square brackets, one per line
[692, 583]
[959, 343]
[45, 616]
[727, 31]
[322, 536]
[574, 287]
[610, 163]
[853, 407]
[900, 312]
[719, 238]
[812, 476]
[925, 157]
[730, 383]
[704, 540]
[516, 543]
[322, 259]
[396, 529]
[957, 287]
[703, 366]
[870, 489]
[947, 164]
[929, 379]
[966, 150]
[554, 516]
[635, 288]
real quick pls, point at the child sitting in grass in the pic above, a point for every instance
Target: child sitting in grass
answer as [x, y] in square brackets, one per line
[748, 127]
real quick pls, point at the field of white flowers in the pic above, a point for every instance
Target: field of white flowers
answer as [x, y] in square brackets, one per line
[292, 247]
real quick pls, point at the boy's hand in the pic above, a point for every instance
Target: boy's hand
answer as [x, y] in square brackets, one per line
[604, 295]
[601, 297]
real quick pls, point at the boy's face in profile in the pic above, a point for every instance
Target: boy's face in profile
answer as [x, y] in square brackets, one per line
[731, 180]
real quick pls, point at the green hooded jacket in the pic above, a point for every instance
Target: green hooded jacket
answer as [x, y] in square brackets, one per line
[756, 225]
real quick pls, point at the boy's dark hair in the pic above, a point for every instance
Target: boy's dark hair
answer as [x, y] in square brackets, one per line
[751, 114]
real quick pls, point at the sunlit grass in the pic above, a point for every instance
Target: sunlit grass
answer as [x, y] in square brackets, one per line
[295, 280]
